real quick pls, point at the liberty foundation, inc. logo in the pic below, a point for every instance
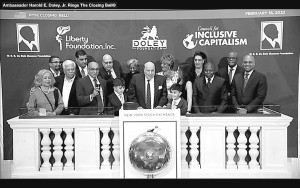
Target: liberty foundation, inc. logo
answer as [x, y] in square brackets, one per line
[61, 30]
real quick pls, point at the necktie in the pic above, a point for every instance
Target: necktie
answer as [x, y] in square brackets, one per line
[246, 80]
[148, 104]
[208, 82]
[99, 98]
[82, 73]
[230, 75]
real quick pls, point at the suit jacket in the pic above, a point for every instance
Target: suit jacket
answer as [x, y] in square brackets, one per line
[84, 87]
[114, 102]
[208, 100]
[24, 47]
[136, 90]
[103, 74]
[72, 103]
[266, 45]
[223, 73]
[182, 105]
[254, 94]
[77, 71]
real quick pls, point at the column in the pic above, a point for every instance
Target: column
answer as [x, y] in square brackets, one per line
[45, 147]
[69, 153]
[230, 141]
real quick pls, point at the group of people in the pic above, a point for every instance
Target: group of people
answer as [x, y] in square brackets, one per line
[84, 87]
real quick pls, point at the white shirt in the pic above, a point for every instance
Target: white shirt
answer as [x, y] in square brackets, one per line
[66, 90]
[121, 98]
[249, 73]
[98, 83]
[84, 69]
[151, 89]
[113, 74]
[54, 73]
[233, 71]
[211, 80]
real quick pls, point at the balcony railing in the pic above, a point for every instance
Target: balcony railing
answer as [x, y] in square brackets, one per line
[212, 146]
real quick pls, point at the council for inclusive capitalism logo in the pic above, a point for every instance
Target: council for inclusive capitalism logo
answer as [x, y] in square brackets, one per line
[149, 40]
[213, 36]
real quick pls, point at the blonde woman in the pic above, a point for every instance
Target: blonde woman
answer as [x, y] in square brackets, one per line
[45, 99]
[167, 65]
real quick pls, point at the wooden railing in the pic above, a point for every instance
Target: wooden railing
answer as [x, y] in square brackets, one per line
[212, 146]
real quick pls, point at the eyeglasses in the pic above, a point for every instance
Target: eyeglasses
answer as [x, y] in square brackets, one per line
[120, 87]
[55, 62]
[92, 69]
[231, 57]
[108, 62]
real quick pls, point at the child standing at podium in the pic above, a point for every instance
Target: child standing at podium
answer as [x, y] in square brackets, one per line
[177, 101]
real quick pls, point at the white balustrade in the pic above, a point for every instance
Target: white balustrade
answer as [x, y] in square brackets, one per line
[116, 148]
[69, 149]
[194, 152]
[242, 152]
[57, 147]
[230, 145]
[184, 150]
[45, 147]
[32, 154]
[254, 148]
[105, 149]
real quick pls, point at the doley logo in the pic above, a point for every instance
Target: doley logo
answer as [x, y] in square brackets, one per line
[149, 40]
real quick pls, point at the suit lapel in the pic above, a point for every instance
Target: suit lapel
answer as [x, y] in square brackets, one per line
[143, 87]
[156, 84]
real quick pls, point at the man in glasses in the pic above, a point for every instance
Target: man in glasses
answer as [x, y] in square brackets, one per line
[109, 71]
[55, 66]
[228, 72]
[91, 91]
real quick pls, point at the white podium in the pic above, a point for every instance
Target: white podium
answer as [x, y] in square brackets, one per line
[166, 123]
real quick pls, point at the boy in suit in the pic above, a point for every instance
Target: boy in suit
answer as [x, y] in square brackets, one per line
[118, 97]
[177, 101]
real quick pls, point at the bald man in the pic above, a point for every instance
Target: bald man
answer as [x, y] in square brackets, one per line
[209, 92]
[138, 88]
[248, 94]
[91, 92]
[110, 70]
[228, 72]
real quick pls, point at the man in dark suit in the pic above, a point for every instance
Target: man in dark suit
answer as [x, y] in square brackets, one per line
[81, 63]
[249, 89]
[155, 96]
[66, 83]
[209, 92]
[228, 73]
[91, 92]
[55, 66]
[116, 100]
[109, 71]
